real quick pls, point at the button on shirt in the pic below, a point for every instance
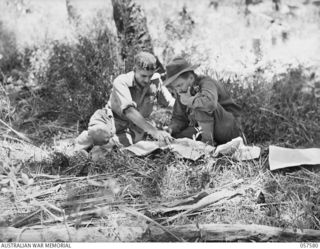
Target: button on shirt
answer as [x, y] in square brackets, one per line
[126, 92]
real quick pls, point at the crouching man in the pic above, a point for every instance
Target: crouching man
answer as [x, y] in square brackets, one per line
[201, 102]
[124, 119]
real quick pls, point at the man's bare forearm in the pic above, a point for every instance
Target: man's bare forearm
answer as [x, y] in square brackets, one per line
[133, 115]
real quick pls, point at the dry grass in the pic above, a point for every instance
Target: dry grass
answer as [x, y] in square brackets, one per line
[286, 198]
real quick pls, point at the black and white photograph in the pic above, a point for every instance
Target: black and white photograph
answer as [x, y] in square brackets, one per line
[159, 121]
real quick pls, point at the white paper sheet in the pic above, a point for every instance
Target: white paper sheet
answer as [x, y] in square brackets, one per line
[238, 151]
[190, 149]
[144, 148]
[183, 147]
[284, 157]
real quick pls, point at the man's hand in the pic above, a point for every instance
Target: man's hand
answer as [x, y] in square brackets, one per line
[186, 98]
[136, 117]
[162, 136]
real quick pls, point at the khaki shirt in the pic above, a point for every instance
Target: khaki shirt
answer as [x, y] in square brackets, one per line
[126, 92]
[207, 94]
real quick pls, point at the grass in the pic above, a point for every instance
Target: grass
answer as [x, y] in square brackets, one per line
[147, 184]
[277, 95]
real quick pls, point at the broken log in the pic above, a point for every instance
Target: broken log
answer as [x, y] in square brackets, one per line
[232, 233]
[61, 233]
[190, 233]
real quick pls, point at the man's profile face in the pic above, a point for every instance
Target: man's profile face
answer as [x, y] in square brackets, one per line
[180, 85]
[143, 76]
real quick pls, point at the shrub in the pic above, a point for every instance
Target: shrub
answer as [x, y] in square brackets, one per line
[9, 56]
[12, 71]
[78, 78]
[278, 111]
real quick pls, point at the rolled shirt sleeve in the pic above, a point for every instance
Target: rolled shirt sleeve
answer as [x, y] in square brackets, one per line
[207, 99]
[120, 98]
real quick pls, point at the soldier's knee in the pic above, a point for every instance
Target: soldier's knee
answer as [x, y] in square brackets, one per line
[229, 125]
[226, 132]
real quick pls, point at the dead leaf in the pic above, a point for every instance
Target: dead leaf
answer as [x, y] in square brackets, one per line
[111, 184]
[25, 178]
[96, 183]
[114, 186]
[4, 182]
[230, 147]
[4, 190]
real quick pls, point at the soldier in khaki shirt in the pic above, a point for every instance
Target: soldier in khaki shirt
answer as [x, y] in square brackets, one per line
[202, 100]
[124, 119]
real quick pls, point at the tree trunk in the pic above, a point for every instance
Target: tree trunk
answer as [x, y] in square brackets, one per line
[73, 14]
[132, 29]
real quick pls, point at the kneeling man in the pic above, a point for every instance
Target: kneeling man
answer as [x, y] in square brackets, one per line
[124, 120]
[200, 102]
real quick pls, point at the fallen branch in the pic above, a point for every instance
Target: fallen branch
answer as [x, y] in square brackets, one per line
[208, 200]
[137, 214]
[45, 192]
[63, 179]
[187, 201]
[12, 138]
[233, 233]
[94, 212]
[19, 222]
[190, 233]
[183, 204]
[62, 234]
[46, 176]
[19, 134]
